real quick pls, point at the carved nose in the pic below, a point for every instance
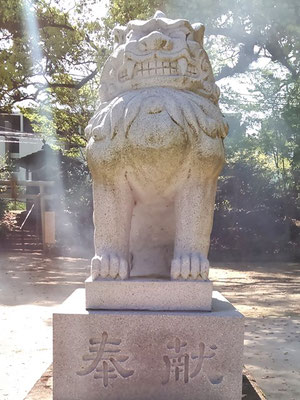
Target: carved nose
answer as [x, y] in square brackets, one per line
[153, 105]
[155, 41]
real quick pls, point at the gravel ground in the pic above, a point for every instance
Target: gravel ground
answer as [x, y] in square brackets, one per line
[267, 294]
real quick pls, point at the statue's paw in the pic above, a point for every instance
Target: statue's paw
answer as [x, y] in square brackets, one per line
[109, 266]
[193, 266]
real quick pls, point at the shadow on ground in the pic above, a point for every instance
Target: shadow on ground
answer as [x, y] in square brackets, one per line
[34, 279]
[268, 289]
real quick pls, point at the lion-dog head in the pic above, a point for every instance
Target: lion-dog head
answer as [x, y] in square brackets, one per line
[158, 53]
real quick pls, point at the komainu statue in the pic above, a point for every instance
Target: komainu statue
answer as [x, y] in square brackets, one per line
[155, 150]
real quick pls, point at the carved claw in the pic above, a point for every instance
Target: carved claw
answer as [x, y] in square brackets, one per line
[192, 266]
[109, 266]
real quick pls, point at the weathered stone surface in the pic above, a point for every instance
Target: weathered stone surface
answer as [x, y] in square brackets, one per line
[155, 150]
[135, 355]
[42, 390]
[148, 294]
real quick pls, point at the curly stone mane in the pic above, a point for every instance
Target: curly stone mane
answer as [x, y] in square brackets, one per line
[191, 112]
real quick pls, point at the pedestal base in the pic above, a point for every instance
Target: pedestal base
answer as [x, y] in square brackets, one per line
[136, 355]
[148, 294]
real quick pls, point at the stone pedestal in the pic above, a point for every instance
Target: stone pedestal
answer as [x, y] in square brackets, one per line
[148, 294]
[147, 355]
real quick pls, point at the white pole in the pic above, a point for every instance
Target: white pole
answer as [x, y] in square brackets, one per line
[21, 123]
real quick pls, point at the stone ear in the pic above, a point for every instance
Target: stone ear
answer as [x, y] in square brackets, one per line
[159, 14]
[119, 34]
[198, 32]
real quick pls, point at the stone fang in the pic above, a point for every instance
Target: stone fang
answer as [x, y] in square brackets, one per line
[182, 64]
[130, 68]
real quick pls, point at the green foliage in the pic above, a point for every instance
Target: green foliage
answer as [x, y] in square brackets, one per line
[16, 205]
[251, 221]
[7, 222]
[240, 32]
[67, 122]
[74, 206]
[2, 208]
[53, 66]
[290, 114]
[123, 11]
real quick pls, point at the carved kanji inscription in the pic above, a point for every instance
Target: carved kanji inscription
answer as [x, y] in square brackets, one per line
[183, 365]
[106, 360]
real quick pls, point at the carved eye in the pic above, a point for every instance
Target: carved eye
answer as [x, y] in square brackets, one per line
[178, 35]
[205, 64]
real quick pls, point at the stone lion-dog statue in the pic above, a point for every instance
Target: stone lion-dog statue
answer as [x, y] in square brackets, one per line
[155, 150]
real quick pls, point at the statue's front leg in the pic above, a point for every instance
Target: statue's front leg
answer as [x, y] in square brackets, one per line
[194, 209]
[113, 206]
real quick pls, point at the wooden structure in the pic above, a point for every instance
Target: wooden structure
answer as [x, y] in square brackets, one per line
[12, 191]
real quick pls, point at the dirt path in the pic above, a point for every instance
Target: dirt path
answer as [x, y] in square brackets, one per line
[32, 286]
[269, 297]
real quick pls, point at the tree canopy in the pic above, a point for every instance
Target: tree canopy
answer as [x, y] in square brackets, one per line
[44, 48]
